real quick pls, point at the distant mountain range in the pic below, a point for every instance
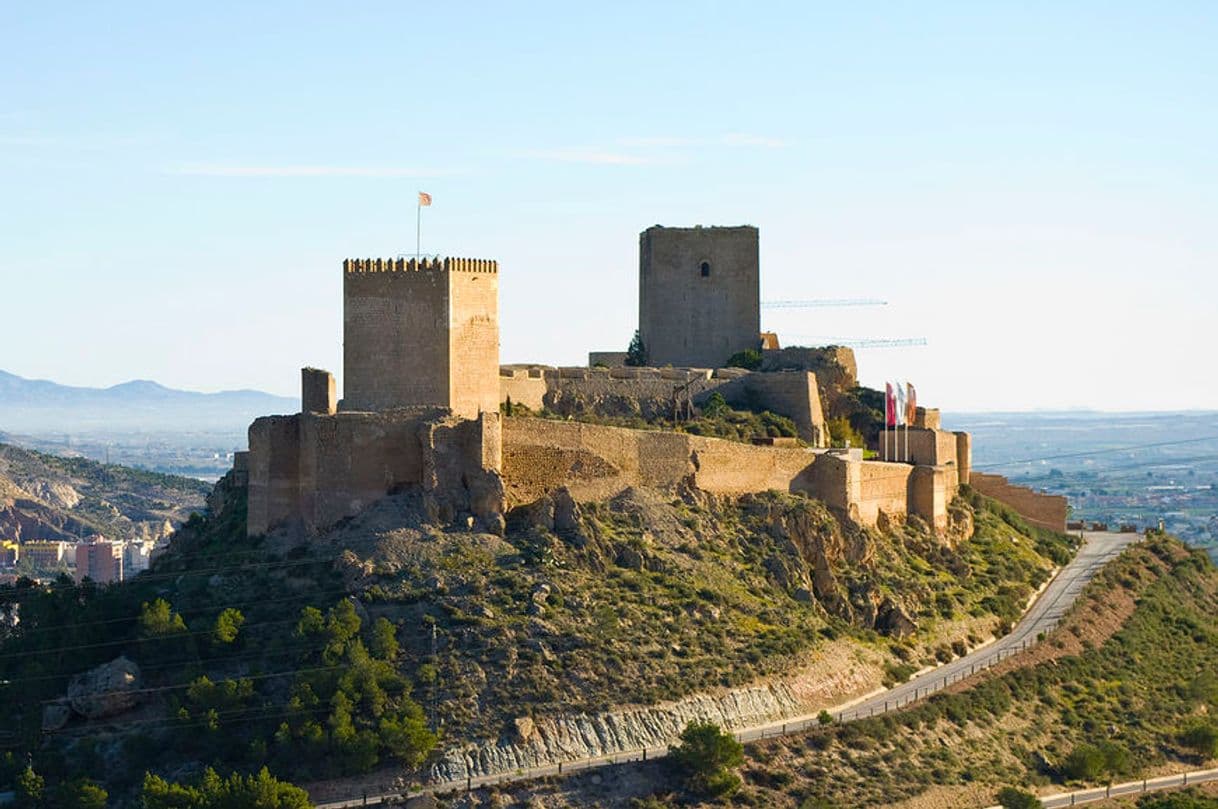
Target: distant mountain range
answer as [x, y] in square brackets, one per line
[39, 406]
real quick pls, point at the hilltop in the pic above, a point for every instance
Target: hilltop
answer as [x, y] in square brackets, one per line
[411, 651]
[48, 497]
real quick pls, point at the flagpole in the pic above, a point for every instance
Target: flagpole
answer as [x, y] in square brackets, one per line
[418, 227]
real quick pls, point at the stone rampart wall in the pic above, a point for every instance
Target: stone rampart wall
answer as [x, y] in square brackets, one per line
[596, 462]
[649, 392]
[883, 488]
[314, 469]
[1046, 510]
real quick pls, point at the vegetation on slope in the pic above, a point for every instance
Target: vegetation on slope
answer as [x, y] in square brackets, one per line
[48, 497]
[1126, 688]
[390, 636]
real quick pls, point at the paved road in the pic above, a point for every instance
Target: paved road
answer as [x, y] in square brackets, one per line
[1044, 615]
[1085, 796]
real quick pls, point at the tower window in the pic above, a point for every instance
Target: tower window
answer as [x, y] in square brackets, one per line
[705, 269]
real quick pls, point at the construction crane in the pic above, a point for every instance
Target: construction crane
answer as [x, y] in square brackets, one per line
[822, 302]
[863, 342]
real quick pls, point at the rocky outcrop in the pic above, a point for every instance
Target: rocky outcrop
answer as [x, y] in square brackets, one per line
[108, 690]
[570, 738]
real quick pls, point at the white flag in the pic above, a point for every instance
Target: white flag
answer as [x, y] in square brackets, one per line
[900, 390]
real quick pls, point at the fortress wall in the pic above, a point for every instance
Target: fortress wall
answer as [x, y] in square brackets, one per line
[793, 394]
[274, 472]
[473, 343]
[964, 457]
[931, 489]
[729, 467]
[926, 447]
[395, 344]
[883, 487]
[317, 392]
[649, 392]
[596, 462]
[1045, 510]
[522, 388]
[351, 460]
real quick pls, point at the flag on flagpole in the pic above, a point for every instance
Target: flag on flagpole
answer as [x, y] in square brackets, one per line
[900, 406]
[911, 403]
[424, 199]
[890, 406]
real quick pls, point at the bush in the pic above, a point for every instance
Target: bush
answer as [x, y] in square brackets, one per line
[706, 757]
[636, 352]
[1201, 738]
[842, 433]
[261, 791]
[749, 359]
[1012, 798]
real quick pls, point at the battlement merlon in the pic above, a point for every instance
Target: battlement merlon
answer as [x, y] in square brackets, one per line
[448, 264]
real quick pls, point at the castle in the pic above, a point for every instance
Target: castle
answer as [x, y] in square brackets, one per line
[421, 409]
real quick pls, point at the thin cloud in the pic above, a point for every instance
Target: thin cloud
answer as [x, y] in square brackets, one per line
[592, 156]
[223, 170]
[746, 139]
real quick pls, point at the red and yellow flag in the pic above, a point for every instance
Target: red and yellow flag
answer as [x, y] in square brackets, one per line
[424, 199]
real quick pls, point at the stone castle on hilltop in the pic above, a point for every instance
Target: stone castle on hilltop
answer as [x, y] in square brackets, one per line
[423, 389]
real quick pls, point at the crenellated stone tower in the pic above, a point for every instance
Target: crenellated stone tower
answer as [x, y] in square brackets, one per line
[421, 334]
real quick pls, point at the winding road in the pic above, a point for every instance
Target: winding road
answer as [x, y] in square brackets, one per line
[1044, 614]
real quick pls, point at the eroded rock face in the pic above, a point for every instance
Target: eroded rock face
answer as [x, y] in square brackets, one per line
[893, 620]
[564, 738]
[108, 690]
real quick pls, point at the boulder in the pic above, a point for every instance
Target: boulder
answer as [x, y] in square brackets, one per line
[108, 690]
[892, 620]
[523, 729]
[55, 716]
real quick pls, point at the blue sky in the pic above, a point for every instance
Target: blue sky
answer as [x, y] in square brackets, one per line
[1032, 186]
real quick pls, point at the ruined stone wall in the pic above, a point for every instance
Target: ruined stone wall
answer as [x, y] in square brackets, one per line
[274, 472]
[649, 392]
[317, 391]
[597, 462]
[1046, 510]
[699, 294]
[420, 334]
[315, 469]
[350, 460]
[793, 394]
[524, 386]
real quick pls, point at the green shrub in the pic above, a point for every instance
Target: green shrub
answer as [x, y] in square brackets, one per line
[1201, 738]
[749, 359]
[1012, 798]
[706, 758]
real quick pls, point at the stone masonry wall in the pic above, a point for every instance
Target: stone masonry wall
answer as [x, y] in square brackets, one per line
[597, 462]
[421, 334]
[313, 470]
[699, 294]
[883, 488]
[474, 343]
[649, 392]
[1046, 510]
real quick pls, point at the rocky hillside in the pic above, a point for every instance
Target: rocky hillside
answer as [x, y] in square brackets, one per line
[1124, 689]
[413, 651]
[48, 497]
